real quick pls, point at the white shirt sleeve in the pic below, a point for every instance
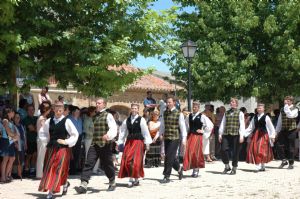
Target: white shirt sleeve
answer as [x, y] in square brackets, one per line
[123, 132]
[270, 127]
[289, 113]
[222, 125]
[71, 141]
[242, 123]
[207, 126]
[44, 131]
[187, 123]
[279, 124]
[182, 127]
[145, 131]
[162, 126]
[43, 135]
[112, 125]
[250, 128]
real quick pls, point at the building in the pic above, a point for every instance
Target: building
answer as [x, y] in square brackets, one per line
[120, 101]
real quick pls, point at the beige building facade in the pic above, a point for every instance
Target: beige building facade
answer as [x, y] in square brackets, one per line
[120, 101]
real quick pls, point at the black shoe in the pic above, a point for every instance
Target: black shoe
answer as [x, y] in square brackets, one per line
[283, 163]
[291, 166]
[233, 171]
[111, 187]
[136, 183]
[49, 196]
[226, 170]
[165, 180]
[80, 190]
[195, 175]
[262, 169]
[65, 188]
[180, 173]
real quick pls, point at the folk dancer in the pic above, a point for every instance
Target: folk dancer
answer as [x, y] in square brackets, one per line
[263, 136]
[105, 130]
[231, 135]
[172, 125]
[286, 133]
[199, 126]
[135, 130]
[61, 135]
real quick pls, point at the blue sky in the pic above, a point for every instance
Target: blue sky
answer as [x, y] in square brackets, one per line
[143, 62]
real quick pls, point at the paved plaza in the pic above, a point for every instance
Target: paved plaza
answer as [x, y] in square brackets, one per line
[273, 183]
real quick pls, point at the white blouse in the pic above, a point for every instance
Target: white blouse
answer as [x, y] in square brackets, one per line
[71, 129]
[207, 124]
[124, 131]
[269, 126]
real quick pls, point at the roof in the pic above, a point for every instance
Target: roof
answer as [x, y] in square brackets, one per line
[151, 82]
[156, 81]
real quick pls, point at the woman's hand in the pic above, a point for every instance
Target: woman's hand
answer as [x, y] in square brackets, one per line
[61, 141]
[200, 131]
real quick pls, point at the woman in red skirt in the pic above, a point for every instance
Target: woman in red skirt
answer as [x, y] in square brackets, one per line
[263, 135]
[62, 134]
[135, 130]
[199, 126]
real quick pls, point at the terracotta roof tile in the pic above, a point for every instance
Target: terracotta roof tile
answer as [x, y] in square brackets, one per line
[146, 82]
[151, 82]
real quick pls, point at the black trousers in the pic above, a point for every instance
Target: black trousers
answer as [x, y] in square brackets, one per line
[230, 143]
[217, 143]
[285, 145]
[106, 160]
[171, 160]
[76, 153]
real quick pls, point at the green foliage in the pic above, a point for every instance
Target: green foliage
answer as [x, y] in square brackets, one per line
[245, 48]
[76, 41]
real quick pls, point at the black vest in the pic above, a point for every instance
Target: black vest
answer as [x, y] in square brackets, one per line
[57, 131]
[195, 124]
[260, 124]
[134, 130]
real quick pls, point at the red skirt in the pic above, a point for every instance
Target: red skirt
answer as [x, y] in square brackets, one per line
[193, 157]
[132, 159]
[259, 150]
[56, 168]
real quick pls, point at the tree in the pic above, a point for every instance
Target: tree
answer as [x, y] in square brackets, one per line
[8, 42]
[76, 41]
[245, 48]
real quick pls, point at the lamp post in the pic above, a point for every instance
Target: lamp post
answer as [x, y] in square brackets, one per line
[189, 48]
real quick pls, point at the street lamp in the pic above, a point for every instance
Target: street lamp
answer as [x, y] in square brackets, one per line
[189, 48]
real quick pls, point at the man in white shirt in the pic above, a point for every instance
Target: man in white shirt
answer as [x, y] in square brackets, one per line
[105, 130]
[231, 135]
[171, 122]
[286, 133]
